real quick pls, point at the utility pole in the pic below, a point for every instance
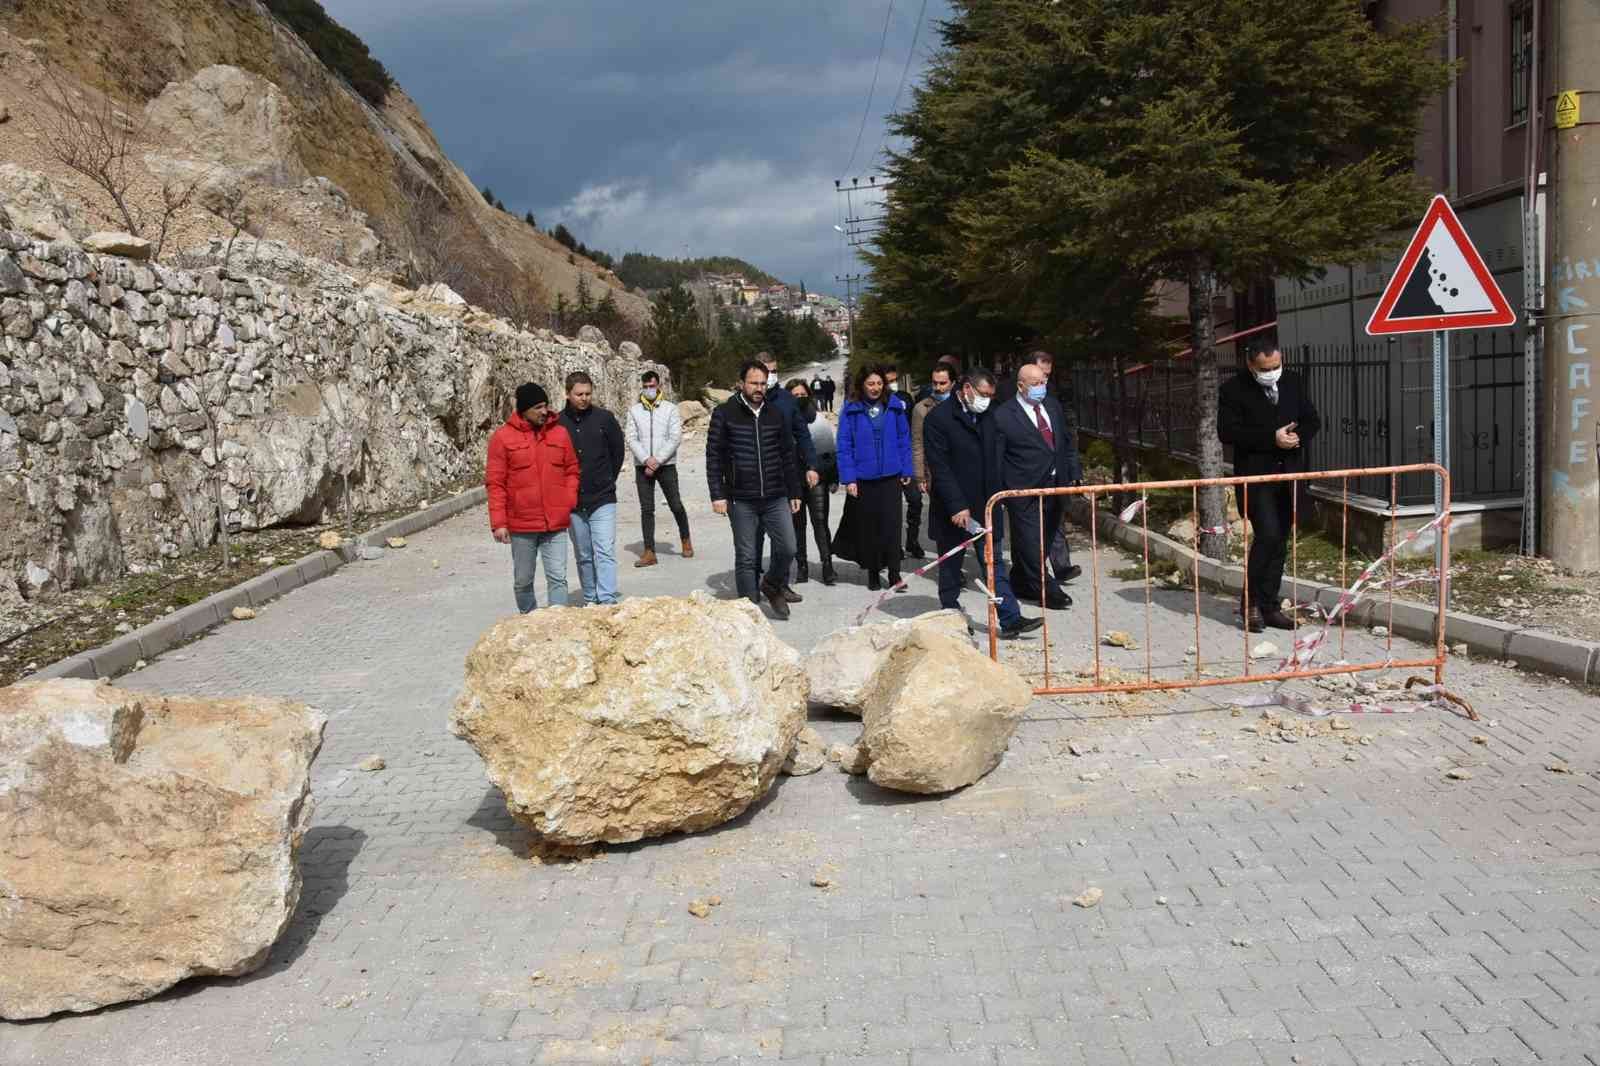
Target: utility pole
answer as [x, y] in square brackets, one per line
[851, 281]
[1571, 513]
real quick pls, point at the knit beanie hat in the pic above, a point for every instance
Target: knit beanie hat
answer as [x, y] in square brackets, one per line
[530, 395]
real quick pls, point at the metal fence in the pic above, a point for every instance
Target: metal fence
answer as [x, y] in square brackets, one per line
[1376, 403]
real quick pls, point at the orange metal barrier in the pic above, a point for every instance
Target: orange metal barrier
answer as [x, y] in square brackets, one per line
[1197, 679]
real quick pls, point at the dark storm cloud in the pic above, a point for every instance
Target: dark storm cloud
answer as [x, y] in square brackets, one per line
[657, 124]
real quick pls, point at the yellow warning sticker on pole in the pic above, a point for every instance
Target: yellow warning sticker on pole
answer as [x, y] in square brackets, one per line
[1567, 109]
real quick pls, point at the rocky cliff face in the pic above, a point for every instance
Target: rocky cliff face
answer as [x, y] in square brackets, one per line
[132, 394]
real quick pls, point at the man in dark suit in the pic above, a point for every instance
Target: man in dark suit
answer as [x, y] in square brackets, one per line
[1265, 413]
[1031, 448]
[954, 437]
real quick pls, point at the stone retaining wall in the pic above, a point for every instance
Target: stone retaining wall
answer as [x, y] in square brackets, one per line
[132, 393]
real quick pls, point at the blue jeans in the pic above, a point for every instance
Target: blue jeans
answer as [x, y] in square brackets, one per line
[951, 578]
[594, 542]
[526, 551]
[750, 518]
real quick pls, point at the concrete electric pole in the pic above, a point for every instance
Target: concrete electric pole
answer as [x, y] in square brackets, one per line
[1571, 474]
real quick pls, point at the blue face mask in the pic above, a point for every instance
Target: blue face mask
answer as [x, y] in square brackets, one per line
[1036, 394]
[941, 397]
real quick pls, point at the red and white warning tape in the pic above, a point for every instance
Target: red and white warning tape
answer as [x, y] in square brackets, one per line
[1306, 648]
[923, 569]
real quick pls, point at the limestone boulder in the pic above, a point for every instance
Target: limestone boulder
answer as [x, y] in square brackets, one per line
[612, 724]
[143, 839]
[239, 125]
[940, 715]
[694, 415]
[844, 667]
[35, 206]
[124, 244]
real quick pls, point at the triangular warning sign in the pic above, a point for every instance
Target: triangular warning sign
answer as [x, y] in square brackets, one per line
[1442, 283]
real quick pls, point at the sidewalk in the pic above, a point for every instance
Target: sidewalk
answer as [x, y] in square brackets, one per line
[1326, 900]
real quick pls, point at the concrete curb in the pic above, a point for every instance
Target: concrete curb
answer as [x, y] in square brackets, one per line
[1577, 660]
[148, 641]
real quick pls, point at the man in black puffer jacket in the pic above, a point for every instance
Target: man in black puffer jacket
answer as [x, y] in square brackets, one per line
[753, 474]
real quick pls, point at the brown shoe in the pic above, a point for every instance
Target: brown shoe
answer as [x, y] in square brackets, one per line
[688, 549]
[1275, 618]
[647, 559]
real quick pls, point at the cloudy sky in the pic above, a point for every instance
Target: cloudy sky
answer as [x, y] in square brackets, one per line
[716, 126]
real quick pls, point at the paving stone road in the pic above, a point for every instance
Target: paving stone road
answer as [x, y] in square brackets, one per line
[1333, 900]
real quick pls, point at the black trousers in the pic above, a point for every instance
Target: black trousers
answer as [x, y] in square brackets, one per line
[813, 503]
[1027, 567]
[667, 478]
[913, 495]
[1271, 514]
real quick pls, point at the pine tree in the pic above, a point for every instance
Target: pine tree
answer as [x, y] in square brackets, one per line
[528, 218]
[1066, 157]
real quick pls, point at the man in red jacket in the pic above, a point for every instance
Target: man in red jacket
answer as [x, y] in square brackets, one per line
[532, 478]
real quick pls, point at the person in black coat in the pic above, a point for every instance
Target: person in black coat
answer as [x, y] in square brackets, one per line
[597, 438]
[754, 478]
[1265, 414]
[1032, 447]
[805, 452]
[954, 436]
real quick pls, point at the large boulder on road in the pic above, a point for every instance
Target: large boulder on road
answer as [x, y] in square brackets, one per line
[611, 724]
[843, 668]
[143, 839]
[939, 715]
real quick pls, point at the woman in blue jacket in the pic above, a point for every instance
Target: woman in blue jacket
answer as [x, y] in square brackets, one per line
[874, 462]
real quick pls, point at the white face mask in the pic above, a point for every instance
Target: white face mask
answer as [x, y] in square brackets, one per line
[894, 386]
[651, 392]
[1267, 377]
[979, 404]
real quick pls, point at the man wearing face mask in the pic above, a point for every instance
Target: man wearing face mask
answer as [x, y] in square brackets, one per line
[940, 384]
[654, 431]
[1031, 448]
[912, 490]
[1268, 418]
[959, 485]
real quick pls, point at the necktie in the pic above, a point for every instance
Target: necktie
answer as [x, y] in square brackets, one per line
[1272, 394]
[1044, 427]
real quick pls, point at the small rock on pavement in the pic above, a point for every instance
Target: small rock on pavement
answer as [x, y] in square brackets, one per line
[330, 540]
[1091, 776]
[1264, 650]
[852, 759]
[1458, 774]
[1091, 898]
[1459, 649]
[1479, 738]
[1241, 942]
[395, 542]
[821, 880]
[1558, 768]
[1380, 631]
[243, 614]
[699, 908]
[371, 763]
[371, 553]
[808, 755]
[1119, 639]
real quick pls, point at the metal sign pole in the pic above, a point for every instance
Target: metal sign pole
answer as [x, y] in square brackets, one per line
[1441, 443]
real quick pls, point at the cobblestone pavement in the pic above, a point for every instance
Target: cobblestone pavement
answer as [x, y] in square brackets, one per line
[1337, 899]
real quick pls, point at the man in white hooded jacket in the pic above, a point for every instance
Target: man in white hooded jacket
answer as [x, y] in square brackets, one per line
[654, 430]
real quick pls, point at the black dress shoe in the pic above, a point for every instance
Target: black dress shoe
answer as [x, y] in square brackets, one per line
[1019, 627]
[873, 584]
[1070, 572]
[894, 581]
[802, 573]
[1055, 603]
[1251, 622]
[1276, 619]
[828, 576]
[914, 549]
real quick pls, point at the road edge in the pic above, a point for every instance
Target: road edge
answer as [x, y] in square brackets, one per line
[146, 642]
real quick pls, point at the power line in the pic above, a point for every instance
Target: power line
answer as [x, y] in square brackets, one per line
[905, 70]
[882, 41]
